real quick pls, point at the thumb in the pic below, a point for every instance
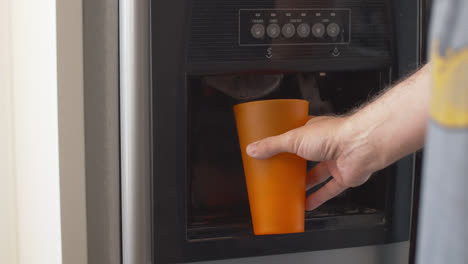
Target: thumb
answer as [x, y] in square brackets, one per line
[271, 146]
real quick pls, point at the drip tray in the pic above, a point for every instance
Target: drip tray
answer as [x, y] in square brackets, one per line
[327, 217]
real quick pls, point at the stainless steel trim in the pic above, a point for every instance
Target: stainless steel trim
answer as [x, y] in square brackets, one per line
[135, 131]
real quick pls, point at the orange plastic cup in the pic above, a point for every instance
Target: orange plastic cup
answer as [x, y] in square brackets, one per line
[276, 186]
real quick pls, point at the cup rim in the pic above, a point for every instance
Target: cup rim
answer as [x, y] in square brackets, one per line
[270, 101]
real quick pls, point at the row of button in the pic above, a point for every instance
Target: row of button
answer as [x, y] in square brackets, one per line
[288, 30]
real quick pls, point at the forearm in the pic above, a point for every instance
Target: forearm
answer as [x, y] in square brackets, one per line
[393, 125]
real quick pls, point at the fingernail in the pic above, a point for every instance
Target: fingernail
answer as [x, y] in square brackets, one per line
[252, 149]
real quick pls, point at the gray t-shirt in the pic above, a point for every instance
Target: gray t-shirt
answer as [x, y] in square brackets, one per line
[443, 224]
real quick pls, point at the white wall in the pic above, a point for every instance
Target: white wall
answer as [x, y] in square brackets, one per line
[41, 133]
[8, 243]
[42, 170]
[34, 82]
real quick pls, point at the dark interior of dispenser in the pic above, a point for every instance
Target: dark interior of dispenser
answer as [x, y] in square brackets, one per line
[217, 203]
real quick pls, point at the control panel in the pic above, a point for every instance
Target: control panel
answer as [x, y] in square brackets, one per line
[269, 27]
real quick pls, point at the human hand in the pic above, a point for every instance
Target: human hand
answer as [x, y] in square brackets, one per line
[343, 153]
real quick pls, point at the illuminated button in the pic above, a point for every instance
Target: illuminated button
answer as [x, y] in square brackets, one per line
[257, 31]
[303, 30]
[273, 30]
[318, 30]
[333, 30]
[288, 30]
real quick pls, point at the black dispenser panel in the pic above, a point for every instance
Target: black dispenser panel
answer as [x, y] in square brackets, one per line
[200, 204]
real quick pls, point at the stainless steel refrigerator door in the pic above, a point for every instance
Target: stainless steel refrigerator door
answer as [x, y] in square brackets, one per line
[101, 112]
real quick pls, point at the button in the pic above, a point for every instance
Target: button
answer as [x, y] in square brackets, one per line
[303, 30]
[273, 30]
[288, 30]
[318, 30]
[257, 31]
[333, 30]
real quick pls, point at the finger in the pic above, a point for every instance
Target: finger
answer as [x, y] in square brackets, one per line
[271, 146]
[317, 174]
[328, 191]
